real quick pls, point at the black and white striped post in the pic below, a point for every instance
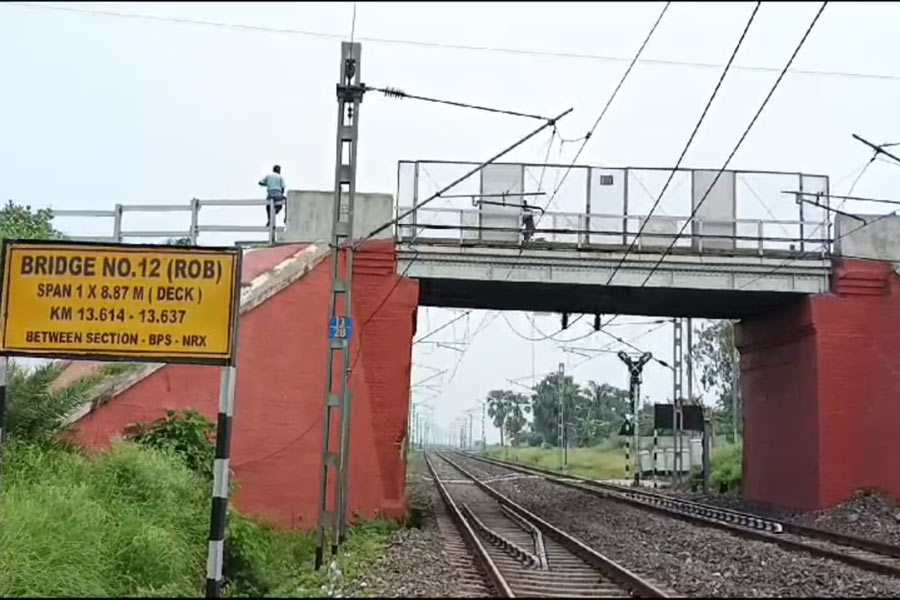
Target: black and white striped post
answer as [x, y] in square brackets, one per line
[3, 365]
[215, 560]
[655, 446]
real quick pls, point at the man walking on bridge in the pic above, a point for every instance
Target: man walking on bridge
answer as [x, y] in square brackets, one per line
[274, 184]
[527, 220]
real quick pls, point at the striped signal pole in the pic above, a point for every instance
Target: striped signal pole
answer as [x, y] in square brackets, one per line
[655, 446]
[219, 511]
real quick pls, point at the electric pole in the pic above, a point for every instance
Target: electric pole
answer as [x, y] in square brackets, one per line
[335, 453]
[735, 390]
[677, 392]
[483, 434]
[690, 385]
[561, 419]
[635, 368]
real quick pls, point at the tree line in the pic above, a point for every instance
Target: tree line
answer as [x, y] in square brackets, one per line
[595, 412]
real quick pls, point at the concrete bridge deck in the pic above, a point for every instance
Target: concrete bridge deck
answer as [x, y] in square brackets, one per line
[552, 278]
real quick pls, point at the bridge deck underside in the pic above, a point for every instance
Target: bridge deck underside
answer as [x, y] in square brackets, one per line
[561, 280]
[574, 298]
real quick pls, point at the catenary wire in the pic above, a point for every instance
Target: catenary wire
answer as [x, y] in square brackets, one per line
[739, 143]
[452, 46]
[687, 145]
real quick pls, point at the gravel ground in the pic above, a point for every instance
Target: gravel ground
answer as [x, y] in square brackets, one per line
[867, 514]
[415, 564]
[692, 560]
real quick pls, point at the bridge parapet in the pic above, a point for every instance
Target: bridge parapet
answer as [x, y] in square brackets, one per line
[568, 230]
[739, 211]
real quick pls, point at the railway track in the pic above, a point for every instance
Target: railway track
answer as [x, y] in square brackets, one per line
[522, 555]
[864, 553]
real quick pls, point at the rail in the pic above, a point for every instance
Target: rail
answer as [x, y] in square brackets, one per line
[192, 232]
[467, 225]
[852, 550]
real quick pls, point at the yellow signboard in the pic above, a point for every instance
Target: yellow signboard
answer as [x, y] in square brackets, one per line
[154, 303]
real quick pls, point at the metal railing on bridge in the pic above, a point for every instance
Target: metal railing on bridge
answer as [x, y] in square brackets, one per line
[584, 206]
[190, 231]
[581, 230]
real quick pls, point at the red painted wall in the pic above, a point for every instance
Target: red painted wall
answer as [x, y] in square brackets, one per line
[282, 361]
[821, 389]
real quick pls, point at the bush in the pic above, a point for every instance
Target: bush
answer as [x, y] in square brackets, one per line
[726, 471]
[189, 435]
[33, 412]
[246, 553]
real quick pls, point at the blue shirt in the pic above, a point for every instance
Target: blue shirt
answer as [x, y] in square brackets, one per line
[274, 184]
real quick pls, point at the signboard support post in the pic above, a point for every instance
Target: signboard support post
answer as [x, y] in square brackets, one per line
[219, 509]
[335, 463]
[3, 376]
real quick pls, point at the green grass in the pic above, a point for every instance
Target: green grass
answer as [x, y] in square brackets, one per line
[366, 543]
[129, 523]
[597, 463]
[134, 522]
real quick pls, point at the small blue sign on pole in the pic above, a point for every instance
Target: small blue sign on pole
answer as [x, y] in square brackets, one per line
[340, 328]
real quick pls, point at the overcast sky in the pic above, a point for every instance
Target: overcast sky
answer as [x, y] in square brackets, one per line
[99, 109]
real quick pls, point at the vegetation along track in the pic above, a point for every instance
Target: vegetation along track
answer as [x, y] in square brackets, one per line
[521, 554]
[864, 553]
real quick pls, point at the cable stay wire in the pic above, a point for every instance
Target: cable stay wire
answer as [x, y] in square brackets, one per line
[392, 92]
[481, 166]
[738, 145]
[687, 146]
[451, 46]
[858, 177]
[444, 326]
[859, 172]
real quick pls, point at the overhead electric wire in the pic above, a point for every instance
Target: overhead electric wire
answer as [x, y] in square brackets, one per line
[481, 327]
[577, 365]
[397, 93]
[687, 146]
[397, 219]
[609, 102]
[478, 168]
[544, 336]
[849, 197]
[738, 145]
[843, 235]
[449, 46]
[588, 135]
[844, 199]
[447, 324]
